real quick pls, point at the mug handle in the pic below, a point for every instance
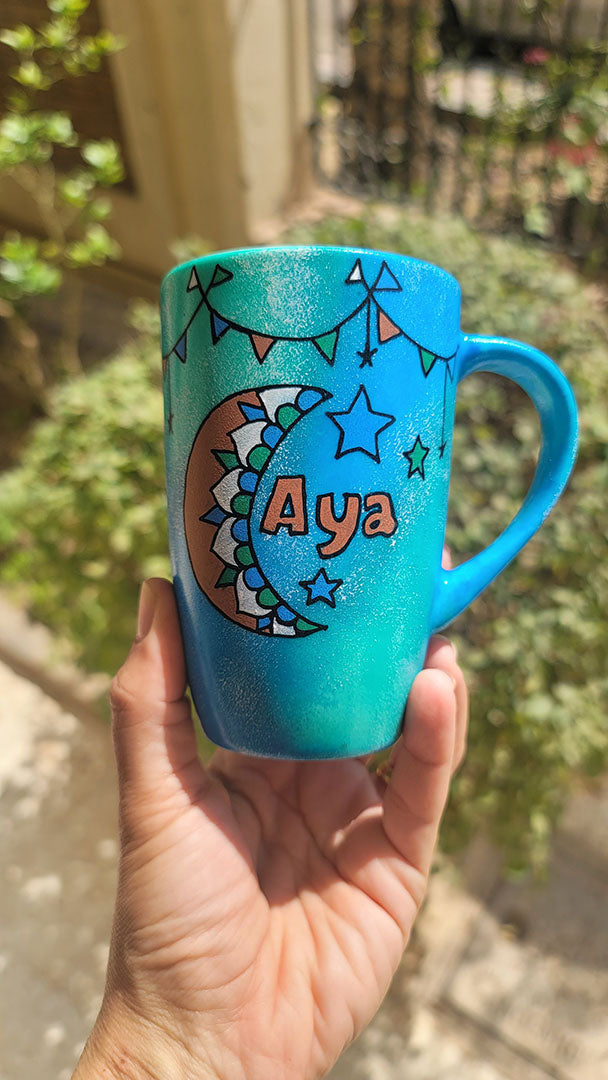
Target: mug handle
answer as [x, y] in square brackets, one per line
[552, 396]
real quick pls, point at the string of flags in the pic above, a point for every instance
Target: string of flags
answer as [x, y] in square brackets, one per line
[326, 342]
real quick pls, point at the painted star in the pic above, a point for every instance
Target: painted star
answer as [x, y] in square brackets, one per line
[360, 427]
[321, 588]
[366, 355]
[416, 457]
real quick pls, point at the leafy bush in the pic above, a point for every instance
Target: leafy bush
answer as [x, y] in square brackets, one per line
[564, 115]
[82, 520]
[70, 206]
[535, 643]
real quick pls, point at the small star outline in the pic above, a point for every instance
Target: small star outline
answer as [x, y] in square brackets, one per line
[366, 355]
[416, 457]
[321, 588]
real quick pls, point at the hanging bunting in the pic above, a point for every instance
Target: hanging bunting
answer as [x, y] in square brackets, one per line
[193, 283]
[326, 344]
[356, 275]
[387, 329]
[386, 280]
[447, 373]
[181, 349]
[262, 344]
[367, 353]
[427, 359]
[219, 327]
[220, 275]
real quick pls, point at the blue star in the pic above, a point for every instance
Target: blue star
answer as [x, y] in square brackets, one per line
[321, 588]
[360, 427]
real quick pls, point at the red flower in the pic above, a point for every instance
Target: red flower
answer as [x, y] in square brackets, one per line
[576, 155]
[536, 55]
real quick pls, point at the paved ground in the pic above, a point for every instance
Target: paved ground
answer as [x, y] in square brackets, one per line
[502, 981]
[57, 864]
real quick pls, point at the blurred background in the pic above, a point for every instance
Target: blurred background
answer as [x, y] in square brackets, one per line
[472, 133]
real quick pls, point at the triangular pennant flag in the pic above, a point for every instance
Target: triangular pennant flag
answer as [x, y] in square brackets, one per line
[387, 329]
[194, 283]
[219, 326]
[262, 344]
[220, 275]
[386, 280]
[356, 274]
[181, 348]
[326, 344]
[427, 359]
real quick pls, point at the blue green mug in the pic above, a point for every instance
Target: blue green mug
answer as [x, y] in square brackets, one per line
[309, 407]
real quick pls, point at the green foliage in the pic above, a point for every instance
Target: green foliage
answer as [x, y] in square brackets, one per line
[575, 105]
[30, 138]
[511, 135]
[82, 520]
[563, 113]
[58, 48]
[95, 247]
[24, 271]
[535, 643]
[70, 204]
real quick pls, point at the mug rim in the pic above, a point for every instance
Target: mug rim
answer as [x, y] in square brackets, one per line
[273, 248]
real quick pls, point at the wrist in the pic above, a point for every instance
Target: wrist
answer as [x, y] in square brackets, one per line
[125, 1046]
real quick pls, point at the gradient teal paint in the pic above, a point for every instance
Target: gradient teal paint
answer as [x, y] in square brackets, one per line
[341, 691]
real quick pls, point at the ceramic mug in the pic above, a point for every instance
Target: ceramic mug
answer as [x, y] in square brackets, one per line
[309, 405]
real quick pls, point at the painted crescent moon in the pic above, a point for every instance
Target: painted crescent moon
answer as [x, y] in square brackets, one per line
[232, 448]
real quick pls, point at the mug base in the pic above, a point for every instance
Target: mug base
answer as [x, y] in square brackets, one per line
[290, 753]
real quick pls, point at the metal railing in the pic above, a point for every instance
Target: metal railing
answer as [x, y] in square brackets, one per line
[494, 109]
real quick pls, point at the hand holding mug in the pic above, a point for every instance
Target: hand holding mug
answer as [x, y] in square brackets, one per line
[310, 398]
[263, 906]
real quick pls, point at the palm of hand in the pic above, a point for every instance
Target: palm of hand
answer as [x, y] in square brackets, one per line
[265, 905]
[308, 899]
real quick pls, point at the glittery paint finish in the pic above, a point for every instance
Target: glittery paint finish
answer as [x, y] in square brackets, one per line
[309, 398]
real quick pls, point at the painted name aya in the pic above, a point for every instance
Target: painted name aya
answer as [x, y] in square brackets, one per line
[287, 508]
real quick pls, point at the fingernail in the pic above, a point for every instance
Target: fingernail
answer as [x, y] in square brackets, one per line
[446, 641]
[145, 612]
